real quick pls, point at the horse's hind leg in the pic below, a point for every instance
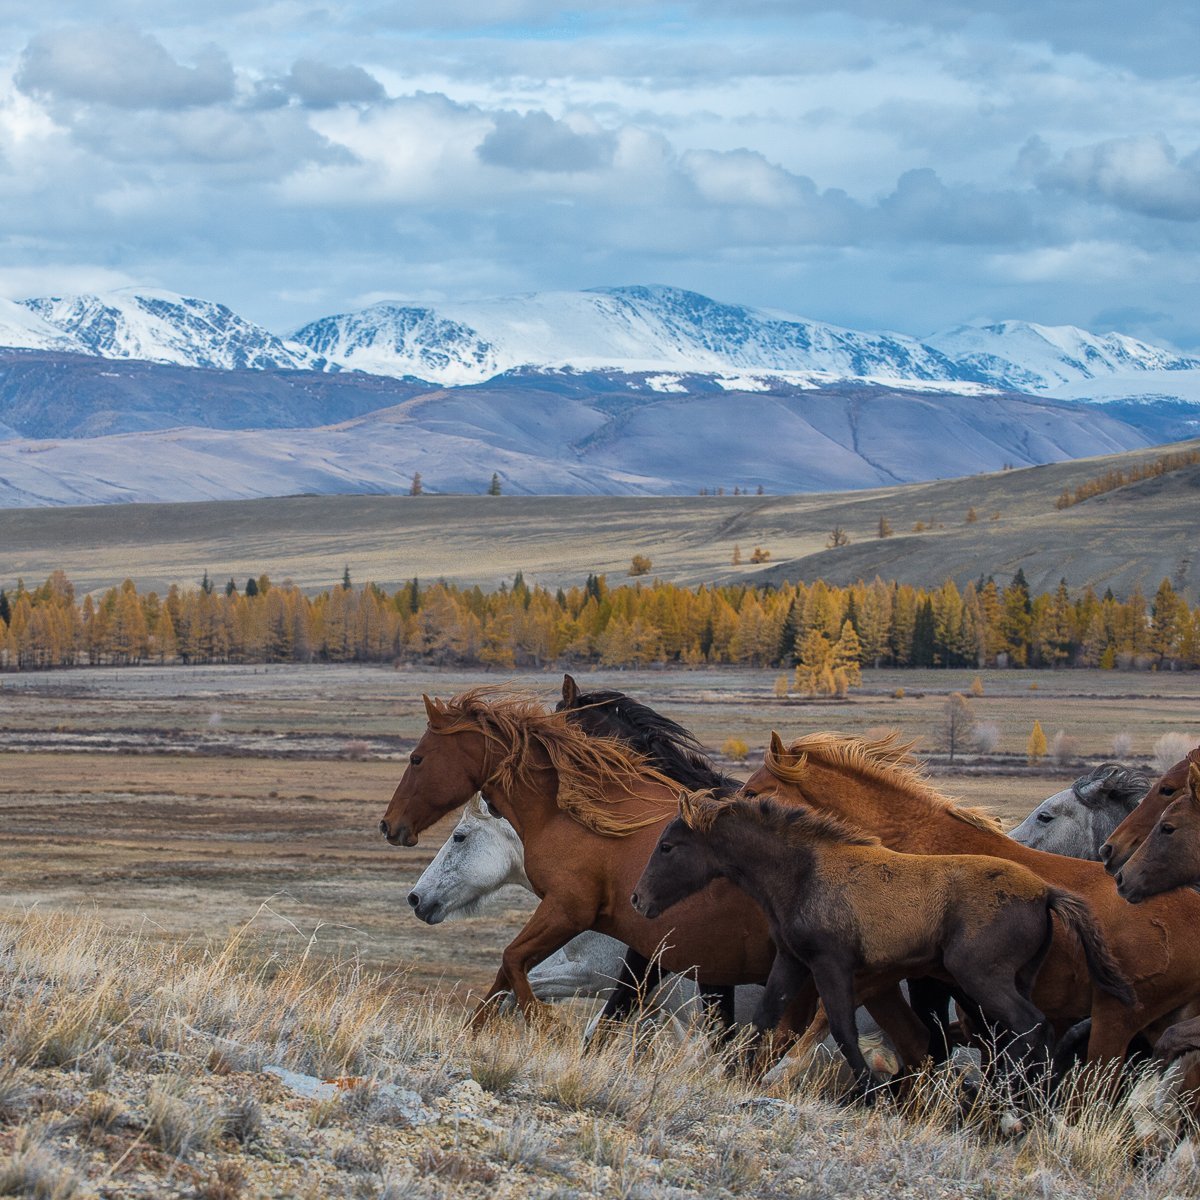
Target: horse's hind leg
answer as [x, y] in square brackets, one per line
[717, 1003]
[835, 983]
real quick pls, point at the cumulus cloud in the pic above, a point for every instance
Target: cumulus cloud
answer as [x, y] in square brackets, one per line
[535, 141]
[118, 66]
[923, 207]
[1141, 174]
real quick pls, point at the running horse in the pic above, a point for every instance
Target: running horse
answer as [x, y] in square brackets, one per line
[588, 811]
[876, 786]
[1132, 831]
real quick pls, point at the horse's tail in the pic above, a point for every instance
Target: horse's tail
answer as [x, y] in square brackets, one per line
[1074, 913]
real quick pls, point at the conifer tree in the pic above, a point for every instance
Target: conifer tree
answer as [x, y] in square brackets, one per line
[494, 486]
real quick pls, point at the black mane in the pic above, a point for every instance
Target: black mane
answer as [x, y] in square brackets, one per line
[672, 749]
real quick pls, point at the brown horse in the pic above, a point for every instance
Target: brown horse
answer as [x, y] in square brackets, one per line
[1132, 831]
[1169, 856]
[875, 786]
[841, 906]
[588, 811]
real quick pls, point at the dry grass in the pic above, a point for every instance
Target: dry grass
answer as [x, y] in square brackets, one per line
[184, 1110]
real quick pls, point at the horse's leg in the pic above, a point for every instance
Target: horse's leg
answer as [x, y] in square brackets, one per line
[787, 981]
[909, 1035]
[637, 976]
[1178, 1039]
[548, 928]
[930, 1001]
[835, 982]
[717, 1004]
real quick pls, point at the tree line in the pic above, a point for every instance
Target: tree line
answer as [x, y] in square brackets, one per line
[826, 633]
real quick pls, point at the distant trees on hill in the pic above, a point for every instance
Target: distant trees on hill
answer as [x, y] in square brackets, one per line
[825, 632]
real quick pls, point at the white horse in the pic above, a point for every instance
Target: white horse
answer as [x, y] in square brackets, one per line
[484, 854]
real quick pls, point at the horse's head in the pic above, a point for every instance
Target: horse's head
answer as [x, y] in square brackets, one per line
[476, 860]
[1132, 831]
[1169, 855]
[681, 863]
[780, 765]
[1075, 821]
[445, 769]
[598, 714]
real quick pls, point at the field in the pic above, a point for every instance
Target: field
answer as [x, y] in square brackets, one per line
[196, 899]
[186, 801]
[1132, 537]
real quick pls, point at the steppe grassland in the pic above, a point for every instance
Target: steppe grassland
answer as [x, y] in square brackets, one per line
[176, 922]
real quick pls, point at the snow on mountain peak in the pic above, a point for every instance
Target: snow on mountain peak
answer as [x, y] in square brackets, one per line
[161, 326]
[1032, 357]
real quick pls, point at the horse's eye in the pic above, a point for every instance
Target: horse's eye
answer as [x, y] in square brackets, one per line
[1167, 791]
[748, 794]
[459, 837]
[414, 760]
[665, 848]
[1044, 818]
[1168, 828]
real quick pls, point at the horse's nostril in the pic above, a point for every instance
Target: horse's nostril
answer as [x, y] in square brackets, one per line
[414, 899]
[1118, 878]
[634, 899]
[383, 828]
[1105, 852]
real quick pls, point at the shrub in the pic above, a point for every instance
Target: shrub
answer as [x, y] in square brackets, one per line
[735, 749]
[898, 694]
[1063, 748]
[640, 565]
[977, 686]
[781, 687]
[1122, 745]
[1170, 748]
[986, 737]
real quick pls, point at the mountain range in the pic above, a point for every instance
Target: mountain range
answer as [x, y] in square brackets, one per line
[148, 395]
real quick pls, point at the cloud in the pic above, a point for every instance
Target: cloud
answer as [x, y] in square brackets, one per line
[1140, 174]
[118, 66]
[319, 85]
[535, 141]
[922, 207]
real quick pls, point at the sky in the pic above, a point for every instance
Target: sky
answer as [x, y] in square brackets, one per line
[882, 164]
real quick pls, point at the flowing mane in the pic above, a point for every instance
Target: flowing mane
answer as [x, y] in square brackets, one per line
[885, 759]
[517, 727]
[669, 746]
[793, 823]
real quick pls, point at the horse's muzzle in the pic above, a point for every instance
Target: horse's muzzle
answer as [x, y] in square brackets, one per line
[402, 835]
[640, 905]
[429, 911]
[1131, 895]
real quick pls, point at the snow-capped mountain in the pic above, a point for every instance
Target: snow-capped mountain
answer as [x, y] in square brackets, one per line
[163, 327]
[1045, 358]
[627, 329]
[23, 329]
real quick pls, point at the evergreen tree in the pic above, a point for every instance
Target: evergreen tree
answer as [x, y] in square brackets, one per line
[494, 486]
[346, 584]
[206, 585]
[5, 607]
[416, 488]
[785, 654]
[231, 588]
[924, 632]
[251, 586]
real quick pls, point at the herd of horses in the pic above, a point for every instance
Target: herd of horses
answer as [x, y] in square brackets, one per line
[834, 877]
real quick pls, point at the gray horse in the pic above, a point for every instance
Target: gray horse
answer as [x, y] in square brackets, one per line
[1078, 820]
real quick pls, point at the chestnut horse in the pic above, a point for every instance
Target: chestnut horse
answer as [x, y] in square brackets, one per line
[875, 786]
[588, 811]
[1169, 856]
[840, 905]
[1131, 832]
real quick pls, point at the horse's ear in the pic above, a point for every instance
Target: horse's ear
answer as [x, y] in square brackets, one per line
[777, 748]
[435, 715]
[687, 807]
[570, 691]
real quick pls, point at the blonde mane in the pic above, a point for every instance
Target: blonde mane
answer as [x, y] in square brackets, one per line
[516, 728]
[885, 759]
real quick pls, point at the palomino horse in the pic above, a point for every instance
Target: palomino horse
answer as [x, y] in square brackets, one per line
[588, 812]
[1079, 819]
[875, 786]
[1128, 836]
[840, 905]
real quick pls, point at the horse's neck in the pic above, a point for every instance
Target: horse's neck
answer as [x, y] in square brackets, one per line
[762, 866]
[529, 806]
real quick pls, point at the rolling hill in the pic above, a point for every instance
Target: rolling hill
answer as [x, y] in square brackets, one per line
[1134, 536]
